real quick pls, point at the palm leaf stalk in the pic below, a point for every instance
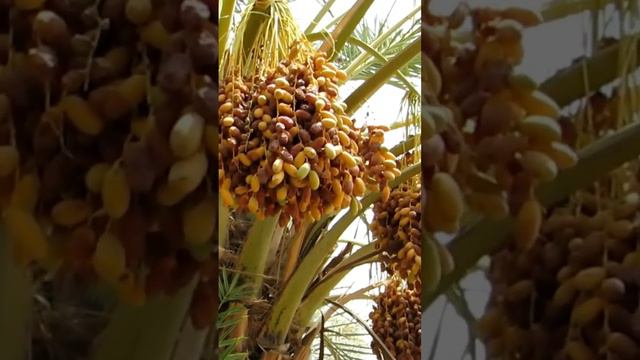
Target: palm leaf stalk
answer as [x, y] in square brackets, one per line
[345, 28]
[325, 9]
[322, 290]
[568, 84]
[331, 24]
[360, 294]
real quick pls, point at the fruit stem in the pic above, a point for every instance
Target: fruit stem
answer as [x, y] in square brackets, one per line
[16, 306]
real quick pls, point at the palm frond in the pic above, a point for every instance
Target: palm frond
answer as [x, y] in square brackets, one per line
[229, 291]
[386, 354]
[343, 339]
[393, 44]
[342, 351]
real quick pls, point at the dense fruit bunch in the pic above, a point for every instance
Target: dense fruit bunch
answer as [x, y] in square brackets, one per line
[396, 321]
[397, 226]
[380, 163]
[574, 295]
[288, 147]
[501, 136]
[107, 139]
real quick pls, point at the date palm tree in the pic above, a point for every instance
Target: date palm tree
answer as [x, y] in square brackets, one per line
[298, 265]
